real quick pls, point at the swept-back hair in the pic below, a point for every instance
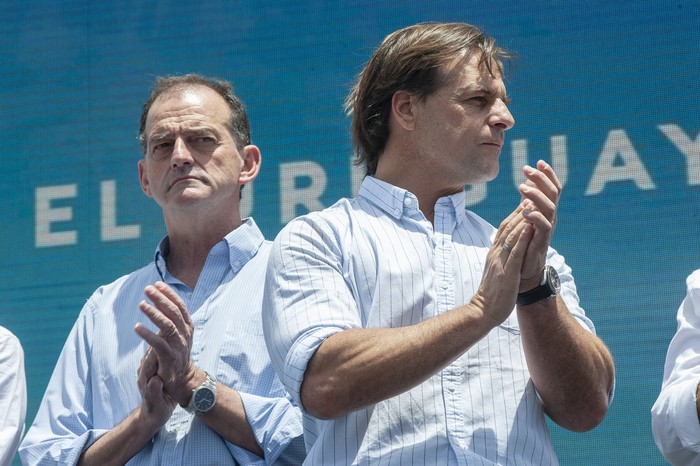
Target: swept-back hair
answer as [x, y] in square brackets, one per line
[412, 59]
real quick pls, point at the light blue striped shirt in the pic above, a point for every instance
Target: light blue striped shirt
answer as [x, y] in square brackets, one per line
[93, 386]
[376, 261]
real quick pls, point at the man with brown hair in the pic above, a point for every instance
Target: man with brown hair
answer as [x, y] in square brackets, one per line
[409, 329]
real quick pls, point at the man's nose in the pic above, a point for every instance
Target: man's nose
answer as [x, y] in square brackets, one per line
[501, 116]
[181, 154]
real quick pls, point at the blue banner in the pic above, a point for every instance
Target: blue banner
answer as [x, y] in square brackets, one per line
[607, 92]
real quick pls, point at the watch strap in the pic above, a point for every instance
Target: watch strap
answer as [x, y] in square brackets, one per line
[543, 291]
[534, 295]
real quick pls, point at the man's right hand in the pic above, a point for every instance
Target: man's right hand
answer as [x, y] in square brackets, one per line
[156, 404]
[173, 342]
[502, 271]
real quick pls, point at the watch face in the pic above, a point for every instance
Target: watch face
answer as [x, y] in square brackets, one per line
[204, 399]
[553, 278]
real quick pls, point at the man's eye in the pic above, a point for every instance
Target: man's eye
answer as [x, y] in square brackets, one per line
[161, 150]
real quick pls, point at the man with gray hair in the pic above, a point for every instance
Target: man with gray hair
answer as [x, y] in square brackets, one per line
[168, 365]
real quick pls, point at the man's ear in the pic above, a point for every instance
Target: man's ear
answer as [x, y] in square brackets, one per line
[403, 109]
[251, 164]
[143, 178]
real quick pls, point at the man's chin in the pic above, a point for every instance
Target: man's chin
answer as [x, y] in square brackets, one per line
[493, 175]
[189, 197]
[487, 174]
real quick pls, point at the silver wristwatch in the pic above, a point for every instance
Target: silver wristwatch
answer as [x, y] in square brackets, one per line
[203, 397]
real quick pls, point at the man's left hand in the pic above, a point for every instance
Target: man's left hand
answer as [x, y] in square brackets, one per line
[541, 194]
[172, 344]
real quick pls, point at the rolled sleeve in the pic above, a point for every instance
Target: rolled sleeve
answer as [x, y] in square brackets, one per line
[39, 448]
[686, 422]
[277, 426]
[299, 356]
[568, 289]
[307, 298]
[675, 423]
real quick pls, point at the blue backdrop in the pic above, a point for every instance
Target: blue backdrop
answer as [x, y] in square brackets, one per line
[608, 92]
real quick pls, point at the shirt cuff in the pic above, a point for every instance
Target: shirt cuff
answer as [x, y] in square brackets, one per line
[275, 422]
[299, 356]
[685, 415]
[63, 451]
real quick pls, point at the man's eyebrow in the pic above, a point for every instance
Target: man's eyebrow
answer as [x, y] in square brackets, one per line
[199, 130]
[167, 134]
[159, 136]
[468, 90]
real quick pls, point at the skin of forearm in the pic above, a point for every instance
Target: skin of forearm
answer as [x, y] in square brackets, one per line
[228, 419]
[360, 367]
[120, 444]
[570, 367]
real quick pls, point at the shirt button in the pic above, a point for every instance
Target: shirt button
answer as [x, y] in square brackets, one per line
[407, 201]
[397, 212]
[445, 285]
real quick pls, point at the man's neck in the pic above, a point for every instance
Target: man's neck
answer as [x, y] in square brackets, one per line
[190, 247]
[426, 191]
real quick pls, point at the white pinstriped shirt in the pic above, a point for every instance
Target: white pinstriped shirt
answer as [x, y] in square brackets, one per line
[93, 386]
[375, 261]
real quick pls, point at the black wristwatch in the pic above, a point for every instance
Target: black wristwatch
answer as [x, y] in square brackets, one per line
[549, 286]
[203, 397]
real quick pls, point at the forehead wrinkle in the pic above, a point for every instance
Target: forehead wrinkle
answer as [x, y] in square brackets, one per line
[187, 111]
[170, 128]
[166, 133]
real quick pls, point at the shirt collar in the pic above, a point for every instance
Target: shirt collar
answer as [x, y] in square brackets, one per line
[243, 244]
[397, 201]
